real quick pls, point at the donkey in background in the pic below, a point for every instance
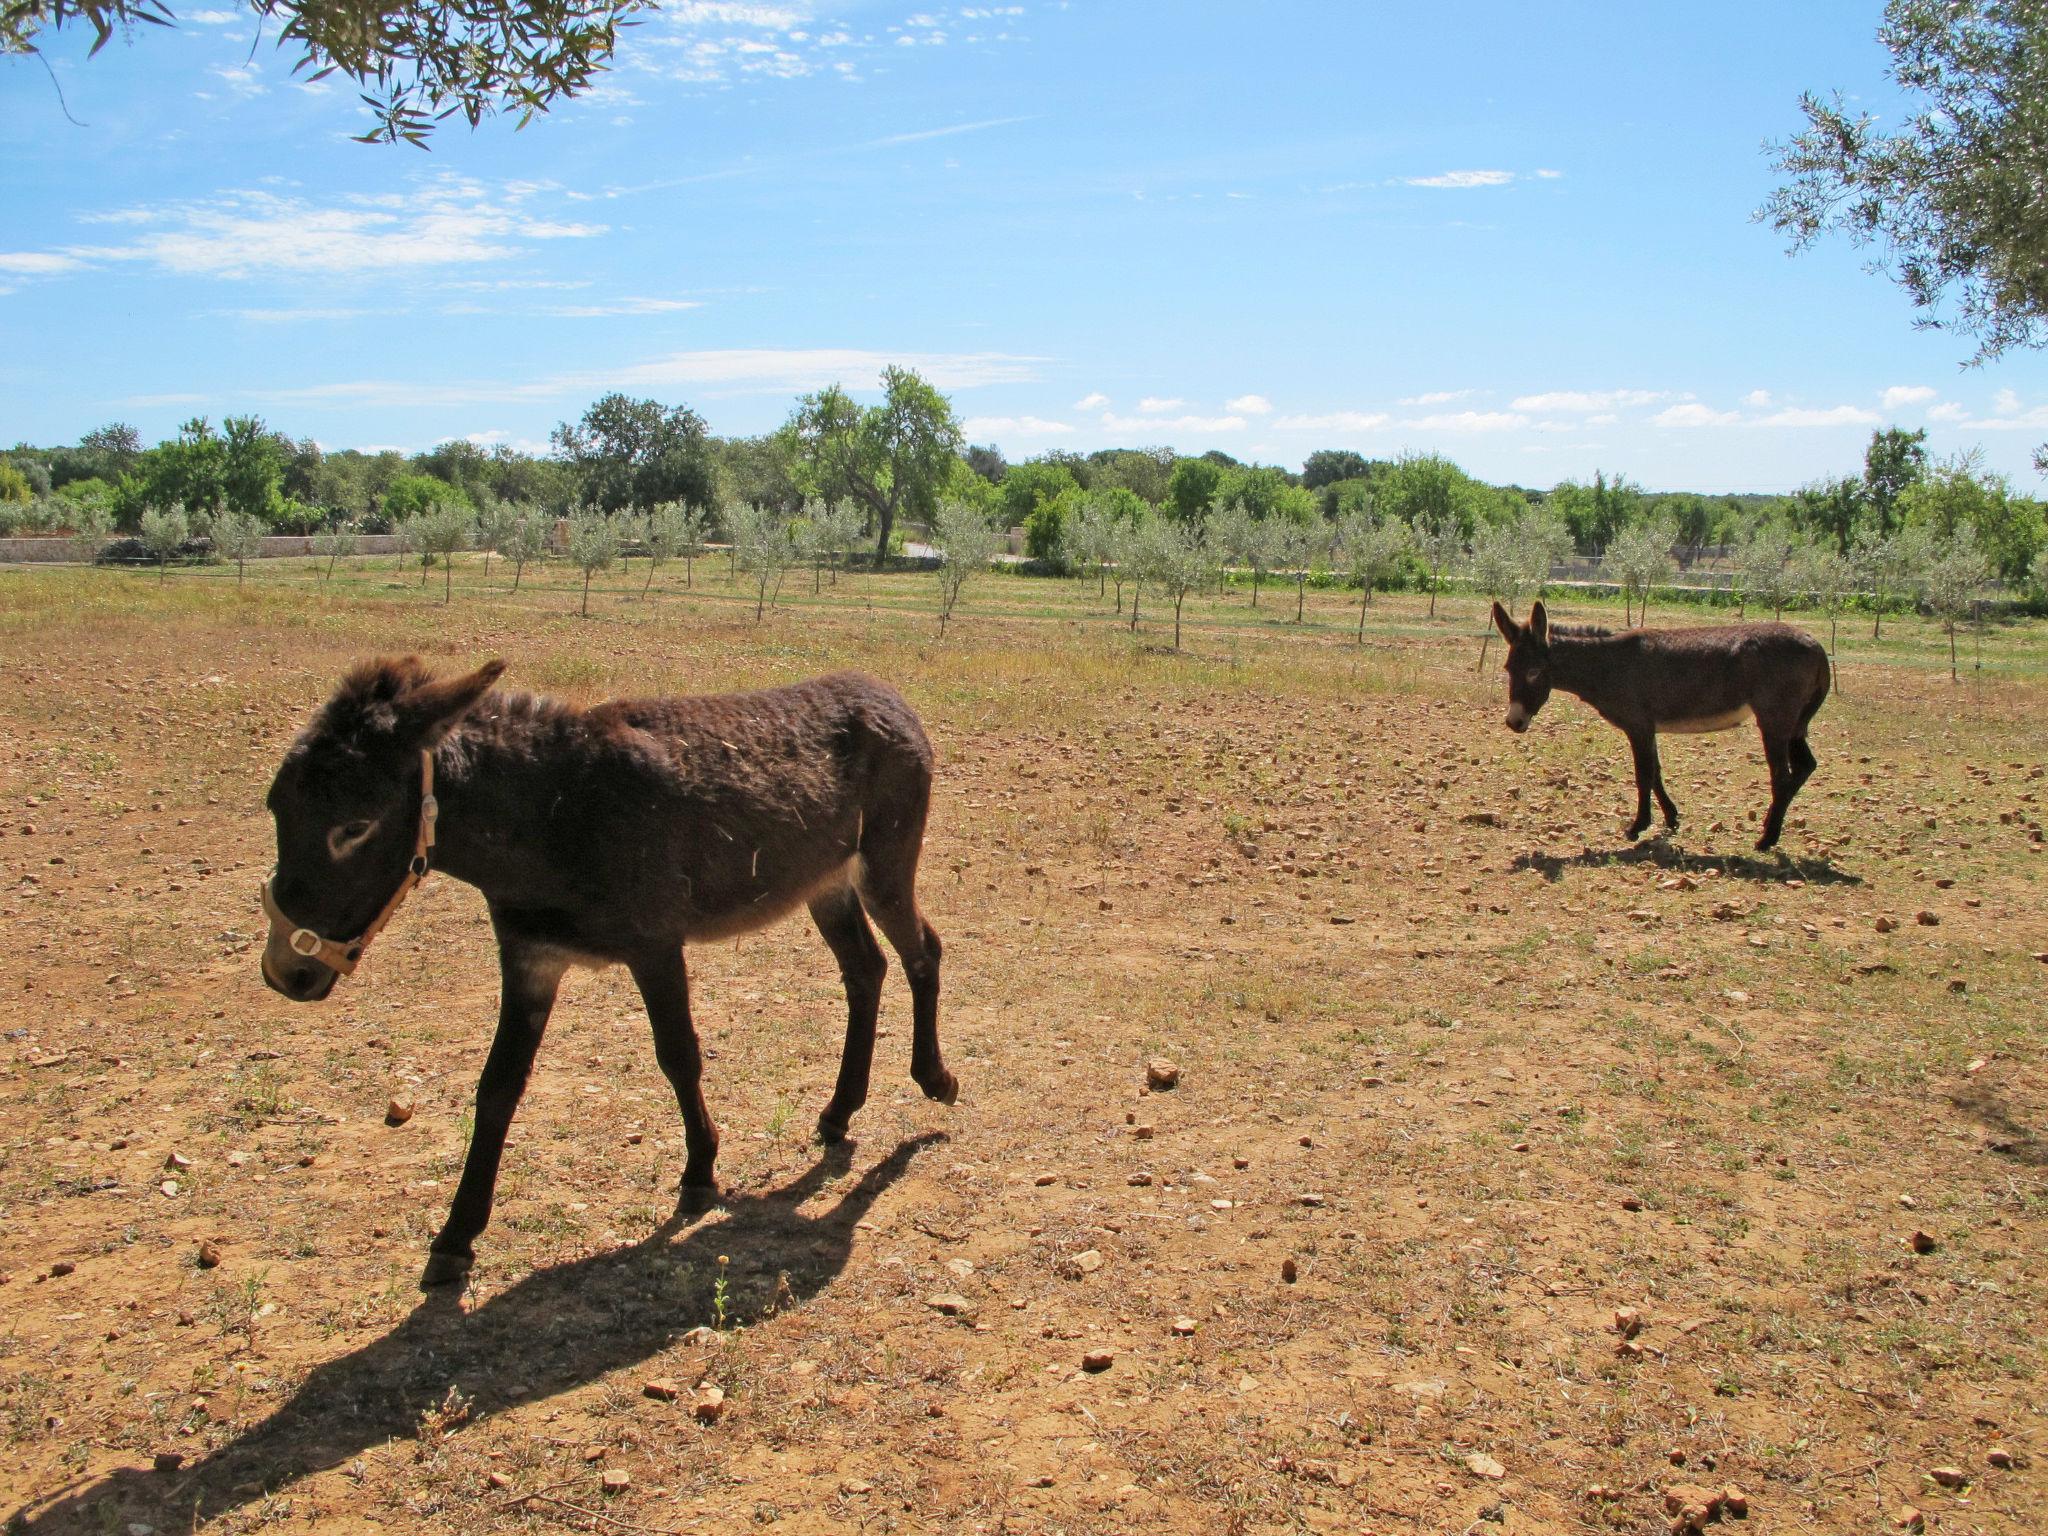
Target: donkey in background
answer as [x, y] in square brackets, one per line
[614, 834]
[1684, 680]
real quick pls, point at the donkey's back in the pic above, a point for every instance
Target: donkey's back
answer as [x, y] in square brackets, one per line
[1713, 677]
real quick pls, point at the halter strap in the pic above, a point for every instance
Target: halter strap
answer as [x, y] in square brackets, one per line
[343, 957]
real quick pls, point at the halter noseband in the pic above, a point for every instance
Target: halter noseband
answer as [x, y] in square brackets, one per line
[343, 957]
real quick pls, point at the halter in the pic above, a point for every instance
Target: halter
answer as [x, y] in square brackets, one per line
[342, 957]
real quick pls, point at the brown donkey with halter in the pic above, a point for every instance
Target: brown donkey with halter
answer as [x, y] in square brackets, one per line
[614, 834]
[1686, 680]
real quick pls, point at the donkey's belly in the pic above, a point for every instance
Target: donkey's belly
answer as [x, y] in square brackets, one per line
[1727, 720]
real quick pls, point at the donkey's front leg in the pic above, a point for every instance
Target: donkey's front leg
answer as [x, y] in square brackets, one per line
[665, 987]
[531, 977]
[1643, 744]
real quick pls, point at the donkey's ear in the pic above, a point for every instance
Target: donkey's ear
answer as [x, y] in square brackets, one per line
[430, 710]
[1504, 624]
[1539, 623]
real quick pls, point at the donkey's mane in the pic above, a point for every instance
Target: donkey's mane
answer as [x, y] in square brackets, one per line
[1581, 632]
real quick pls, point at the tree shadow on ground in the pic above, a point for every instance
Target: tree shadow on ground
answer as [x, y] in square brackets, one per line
[1774, 868]
[557, 1329]
[2010, 1137]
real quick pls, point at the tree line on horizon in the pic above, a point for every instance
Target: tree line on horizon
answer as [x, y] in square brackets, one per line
[902, 457]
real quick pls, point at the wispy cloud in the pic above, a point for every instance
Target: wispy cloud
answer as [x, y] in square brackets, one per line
[622, 307]
[1152, 403]
[1249, 405]
[1439, 397]
[1809, 416]
[946, 132]
[1907, 394]
[1091, 401]
[1462, 179]
[1569, 401]
[1332, 421]
[1471, 421]
[1693, 414]
[38, 263]
[1013, 426]
[1194, 425]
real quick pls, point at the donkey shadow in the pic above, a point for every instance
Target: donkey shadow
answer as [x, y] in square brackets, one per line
[1774, 869]
[2011, 1137]
[557, 1329]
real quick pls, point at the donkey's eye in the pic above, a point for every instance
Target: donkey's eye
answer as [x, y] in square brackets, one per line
[1534, 674]
[348, 837]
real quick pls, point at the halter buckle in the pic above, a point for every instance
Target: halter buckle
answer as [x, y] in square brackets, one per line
[304, 941]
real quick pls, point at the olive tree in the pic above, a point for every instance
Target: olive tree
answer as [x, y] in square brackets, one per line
[1500, 569]
[494, 520]
[527, 542]
[1829, 576]
[444, 532]
[334, 542]
[1763, 569]
[1441, 543]
[1177, 560]
[1085, 541]
[1296, 547]
[1637, 558]
[967, 544]
[763, 548]
[1237, 537]
[1951, 581]
[1883, 564]
[91, 526]
[235, 536]
[164, 532]
[1373, 547]
[593, 546]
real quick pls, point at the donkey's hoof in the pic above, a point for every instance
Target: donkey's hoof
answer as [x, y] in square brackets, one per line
[830, 1132]
[696, 1199]
[945, 1088]
[445, 1269]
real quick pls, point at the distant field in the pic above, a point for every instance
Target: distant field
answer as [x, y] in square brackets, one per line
[1481, 1078]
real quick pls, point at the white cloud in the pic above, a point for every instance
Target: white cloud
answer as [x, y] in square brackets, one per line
[1155, 403]
[1091, 401]
[943, 133]
[1462, 179]
[37, 263]
[1693, 414]
[2013, 415]
[294, 316]
[211, 18]
[1471, 421]
[1567, 400]
[1549, 175]
[734, 13]
[1249, 405]
[1333, 421]
[1811, 416]
[1192, 425]
[1438, 397]
[1946, 411]
[622, 307]
[2006, 402]
[1757, 399]
[445, 221]
[975, 427]
[1907, 394]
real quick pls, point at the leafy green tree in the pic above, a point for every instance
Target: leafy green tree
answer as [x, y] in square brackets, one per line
[1296, 548]
[1085, 541]
[528, 541]
[164, 532]
[1596, 513]
[408, 496]
[416, 63]
[665, 531]
[1959, 493]
[185, 469]
[1326, 466]
[235, 536]
[111, 451]
[336, 541]
[1503, 567]
[1192, 489]
[1144, 472]
[593, 546]
[968, 545]
[1832, 509]
[635, 454]
[252, 465]
[892, 458]
[986, 460]
[2040, 572]
[762, 470]
[1238, 538]
[1951, 579]
[1895, 461]
[1031, 485]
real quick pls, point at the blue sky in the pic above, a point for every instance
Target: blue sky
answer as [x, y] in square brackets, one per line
[1517, 235]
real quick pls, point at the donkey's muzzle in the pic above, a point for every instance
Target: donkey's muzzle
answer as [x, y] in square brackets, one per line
[296, 977]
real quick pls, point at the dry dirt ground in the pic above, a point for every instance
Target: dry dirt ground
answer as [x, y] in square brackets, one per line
[1515, 1180]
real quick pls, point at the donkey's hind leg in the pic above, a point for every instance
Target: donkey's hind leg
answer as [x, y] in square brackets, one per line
[887, 882]
[1784, 784]
[861, 966]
